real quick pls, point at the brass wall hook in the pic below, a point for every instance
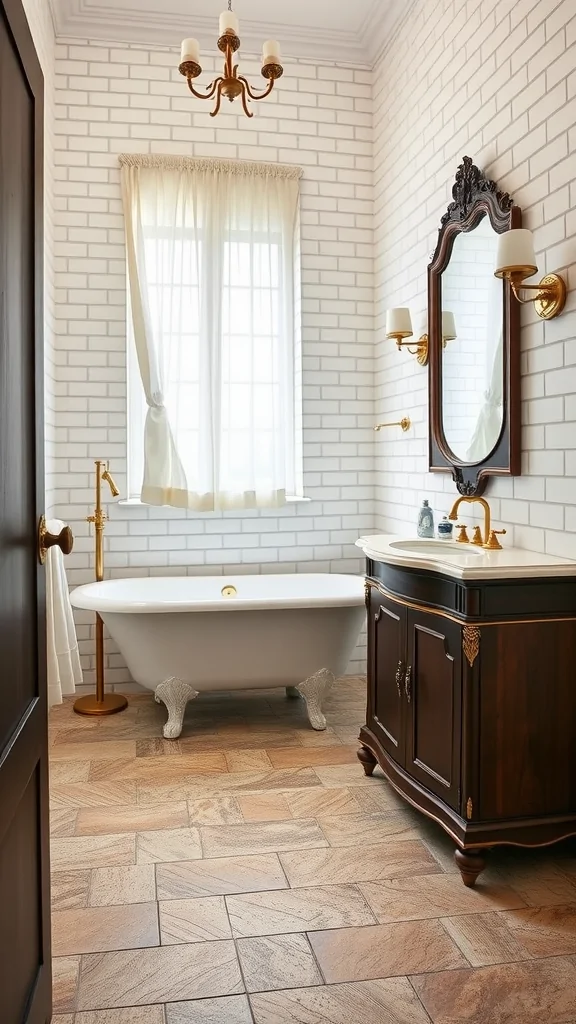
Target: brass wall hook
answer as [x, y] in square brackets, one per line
[405, 423]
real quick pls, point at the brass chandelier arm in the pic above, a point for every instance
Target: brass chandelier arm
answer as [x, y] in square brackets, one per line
[257, 95]
[220, 83]
[246, 108]
[210, 90]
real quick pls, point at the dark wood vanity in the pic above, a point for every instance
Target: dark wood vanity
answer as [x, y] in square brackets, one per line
[472, 704]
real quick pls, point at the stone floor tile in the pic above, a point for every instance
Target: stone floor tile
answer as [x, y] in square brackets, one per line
[414, 898]
[279, 961]
[525, 993]
[262, 837]
[361, 829]
[358, 864]
[69, 890]
[298, 910]
[391, 1001]
[484, 939]
[135, 883]
[165, 974]
[215, 810]
[382, 951]
[92, 851]
[194, 920]
[168, 845]
[227, 1010]
[264, 807]
[65, 972]
[133, 818]
[308, 757]
[544, 931]
[219, 877]
[96, 929]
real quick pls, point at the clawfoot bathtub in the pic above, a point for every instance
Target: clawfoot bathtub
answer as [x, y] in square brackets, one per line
[182, 636]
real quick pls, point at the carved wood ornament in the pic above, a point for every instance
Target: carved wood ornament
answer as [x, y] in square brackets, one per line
[474, 196]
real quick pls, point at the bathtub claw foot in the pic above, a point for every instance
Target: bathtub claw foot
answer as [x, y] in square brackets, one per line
[314, 690]
[175, 694]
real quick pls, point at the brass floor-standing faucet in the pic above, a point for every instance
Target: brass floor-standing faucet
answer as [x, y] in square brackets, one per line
[100, 703]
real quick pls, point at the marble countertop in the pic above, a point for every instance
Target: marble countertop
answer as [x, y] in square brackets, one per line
[464, 561]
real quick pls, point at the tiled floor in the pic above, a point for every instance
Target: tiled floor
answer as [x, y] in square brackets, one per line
[249, 873]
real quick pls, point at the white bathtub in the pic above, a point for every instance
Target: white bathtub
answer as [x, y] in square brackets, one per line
[181, 636]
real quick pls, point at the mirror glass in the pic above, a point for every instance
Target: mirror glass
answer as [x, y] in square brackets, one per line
[473, 349]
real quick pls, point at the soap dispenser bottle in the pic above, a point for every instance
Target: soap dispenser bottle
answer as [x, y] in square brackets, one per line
[425, 520]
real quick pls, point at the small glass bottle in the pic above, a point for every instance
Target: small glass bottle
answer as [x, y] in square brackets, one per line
[425, 520]
[445, 529]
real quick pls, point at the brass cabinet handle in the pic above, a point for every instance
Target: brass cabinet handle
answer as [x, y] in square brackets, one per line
[399, 674]
[408, 683]
[64, 540]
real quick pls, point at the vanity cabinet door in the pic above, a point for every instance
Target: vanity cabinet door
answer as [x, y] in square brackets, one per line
[387, 667]
[434, 697]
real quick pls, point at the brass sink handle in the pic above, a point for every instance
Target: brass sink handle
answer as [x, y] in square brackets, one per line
[462, 537]
[399, 674]
[64, 540]
[408, 683]
[477, 537]
[493, 544]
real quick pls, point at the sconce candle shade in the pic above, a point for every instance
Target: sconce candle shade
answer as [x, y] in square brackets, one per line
[448, 326]
[190, 51]
[398, 323]
[516, 254]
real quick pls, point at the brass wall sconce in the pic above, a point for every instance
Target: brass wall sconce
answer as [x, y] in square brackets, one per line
[516, 260]
[399, 327]
[405, 423]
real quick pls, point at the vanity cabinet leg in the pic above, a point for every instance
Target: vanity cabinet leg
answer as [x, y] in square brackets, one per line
[175, 694]
[470, 864]
[367, 760]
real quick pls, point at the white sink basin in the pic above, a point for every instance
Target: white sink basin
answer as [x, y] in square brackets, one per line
[436, 548]
[464, 561]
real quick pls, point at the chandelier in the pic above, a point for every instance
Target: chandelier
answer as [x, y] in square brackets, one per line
[230, 83]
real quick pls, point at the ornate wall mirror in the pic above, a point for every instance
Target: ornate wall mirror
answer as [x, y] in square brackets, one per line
[474, 338]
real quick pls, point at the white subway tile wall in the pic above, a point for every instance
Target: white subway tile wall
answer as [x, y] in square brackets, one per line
[496, 80]
[121, 98]
[40, 23]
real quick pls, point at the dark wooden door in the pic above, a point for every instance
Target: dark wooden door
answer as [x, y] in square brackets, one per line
[434, 694]
[387, 666]
[25, 978]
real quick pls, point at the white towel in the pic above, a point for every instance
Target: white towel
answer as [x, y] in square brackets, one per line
[64, 671]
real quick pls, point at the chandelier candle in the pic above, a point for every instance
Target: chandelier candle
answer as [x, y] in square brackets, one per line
[230, 84]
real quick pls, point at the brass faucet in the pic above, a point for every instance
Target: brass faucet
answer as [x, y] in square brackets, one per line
[489, 540]
[100, 703]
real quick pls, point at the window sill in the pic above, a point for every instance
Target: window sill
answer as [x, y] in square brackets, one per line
[137, 503]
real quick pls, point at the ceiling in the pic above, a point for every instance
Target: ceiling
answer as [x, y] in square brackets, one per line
[337, 30]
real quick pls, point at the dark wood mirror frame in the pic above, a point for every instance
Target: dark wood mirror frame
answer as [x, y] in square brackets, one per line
[474, 196]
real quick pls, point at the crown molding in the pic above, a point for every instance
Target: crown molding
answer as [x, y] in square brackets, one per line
[90, 20]
[379, 26]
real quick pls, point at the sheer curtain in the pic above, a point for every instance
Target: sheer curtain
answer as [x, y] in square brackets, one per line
[212, 250]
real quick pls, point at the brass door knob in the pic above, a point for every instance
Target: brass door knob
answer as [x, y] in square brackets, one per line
[64, 540]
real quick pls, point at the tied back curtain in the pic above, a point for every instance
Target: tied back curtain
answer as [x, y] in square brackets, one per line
[212, 251]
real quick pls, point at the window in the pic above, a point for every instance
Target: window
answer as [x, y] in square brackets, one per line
[214, 385]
